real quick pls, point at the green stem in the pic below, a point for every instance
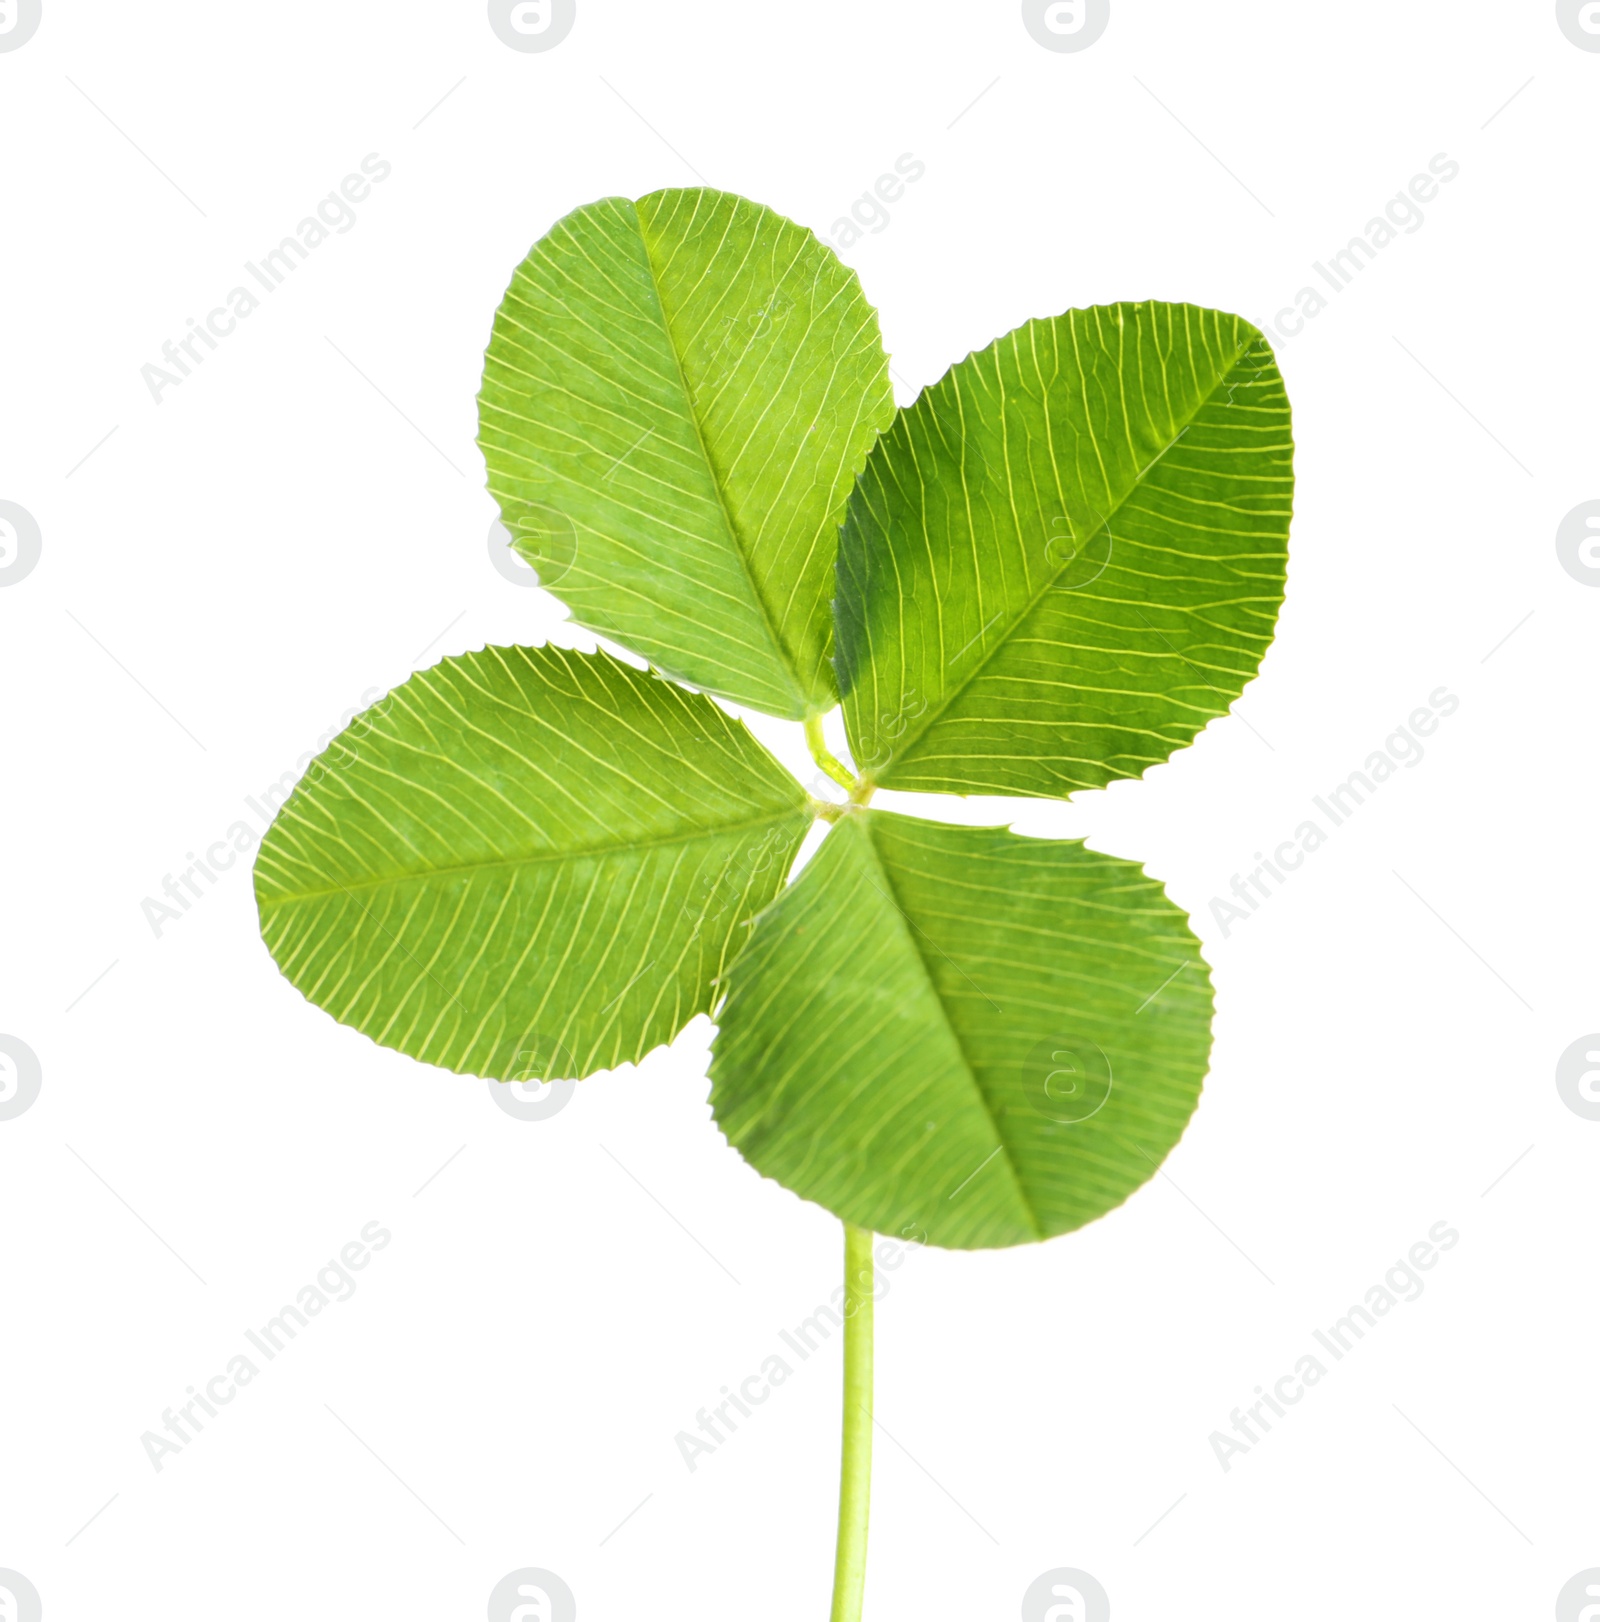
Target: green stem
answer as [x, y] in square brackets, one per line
[855, 1465]
[831, 764]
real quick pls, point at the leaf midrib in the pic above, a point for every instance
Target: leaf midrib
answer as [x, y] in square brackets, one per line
[944, 1014]
[785, 659]
[627, 847]
[901, 756]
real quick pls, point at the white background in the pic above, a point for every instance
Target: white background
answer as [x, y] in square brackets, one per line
[234, 567]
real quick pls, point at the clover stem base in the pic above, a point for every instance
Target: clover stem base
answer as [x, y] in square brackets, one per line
[855, 1467]
[824, 757]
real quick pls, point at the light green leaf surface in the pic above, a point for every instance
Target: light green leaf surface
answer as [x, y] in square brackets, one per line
[526, 863]
[677, 398]
[962, 1034]
[1067, 555]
